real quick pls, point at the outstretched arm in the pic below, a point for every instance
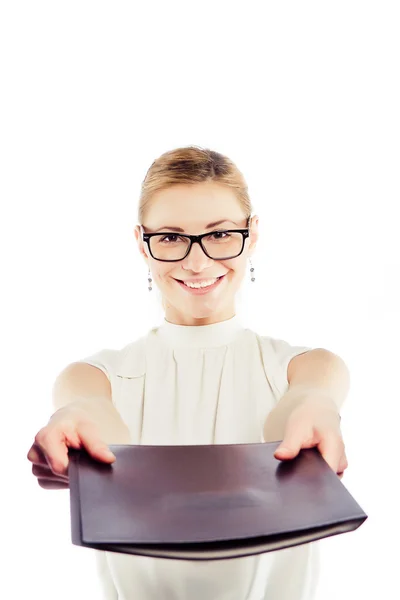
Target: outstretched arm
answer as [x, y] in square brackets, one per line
[307, 415]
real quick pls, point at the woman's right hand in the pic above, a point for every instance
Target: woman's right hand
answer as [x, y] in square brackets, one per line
[69, 427]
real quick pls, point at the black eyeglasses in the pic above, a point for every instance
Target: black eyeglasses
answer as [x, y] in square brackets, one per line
[217, 245]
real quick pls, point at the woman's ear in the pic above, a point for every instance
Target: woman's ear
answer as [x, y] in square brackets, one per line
[140, 243]
[253, 230]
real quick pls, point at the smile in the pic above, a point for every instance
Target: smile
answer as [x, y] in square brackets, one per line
[203, 287]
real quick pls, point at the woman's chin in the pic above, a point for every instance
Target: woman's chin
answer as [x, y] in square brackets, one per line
[209, 310]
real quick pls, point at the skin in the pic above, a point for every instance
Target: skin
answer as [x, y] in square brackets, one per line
[192, 208]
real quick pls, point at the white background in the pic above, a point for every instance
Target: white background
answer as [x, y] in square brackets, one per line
[304, 97]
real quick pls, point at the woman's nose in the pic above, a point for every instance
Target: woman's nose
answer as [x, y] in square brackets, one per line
[196, 259]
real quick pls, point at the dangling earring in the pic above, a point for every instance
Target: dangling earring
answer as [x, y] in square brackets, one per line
[149, 279]
[252, 271]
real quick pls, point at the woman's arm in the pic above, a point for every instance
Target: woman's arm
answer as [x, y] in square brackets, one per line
[82, 387]
[307, 415]
[321, 370]
[319, 374]
[85, 417]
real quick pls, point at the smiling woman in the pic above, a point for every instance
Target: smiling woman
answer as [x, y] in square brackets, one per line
[198, 378]
[196, 191]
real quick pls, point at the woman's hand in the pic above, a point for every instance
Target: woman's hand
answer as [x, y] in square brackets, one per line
[312, 421]
[68, 428]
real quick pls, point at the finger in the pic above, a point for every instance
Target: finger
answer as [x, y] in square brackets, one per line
[51, 442]
[93, 443]
[46, 473]
[297, 435]
[36, 456]
[343, 463]
[55, 440]
[331, 447]
[51, 484]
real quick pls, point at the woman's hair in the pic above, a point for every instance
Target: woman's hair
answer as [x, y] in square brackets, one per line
[192, 165]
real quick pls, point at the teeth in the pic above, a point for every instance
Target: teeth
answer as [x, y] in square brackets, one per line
[203, 284]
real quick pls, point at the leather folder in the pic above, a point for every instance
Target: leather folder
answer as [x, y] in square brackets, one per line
[206, 502]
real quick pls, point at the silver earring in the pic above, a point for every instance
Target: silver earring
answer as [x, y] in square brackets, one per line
[149, 279]
[252, 271]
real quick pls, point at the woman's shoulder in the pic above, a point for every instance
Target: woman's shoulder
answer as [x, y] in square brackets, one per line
[127, 361]
[275, 341]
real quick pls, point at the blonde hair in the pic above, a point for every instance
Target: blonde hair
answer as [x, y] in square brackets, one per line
[190, 165]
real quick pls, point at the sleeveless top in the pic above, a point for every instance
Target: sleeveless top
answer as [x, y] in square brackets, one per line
[210, 384]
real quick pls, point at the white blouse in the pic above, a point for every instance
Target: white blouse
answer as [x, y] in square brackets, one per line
[211, 384]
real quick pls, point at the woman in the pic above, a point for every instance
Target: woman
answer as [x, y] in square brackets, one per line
[199, 378]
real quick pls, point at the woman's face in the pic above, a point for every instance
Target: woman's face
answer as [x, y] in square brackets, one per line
[191, 209]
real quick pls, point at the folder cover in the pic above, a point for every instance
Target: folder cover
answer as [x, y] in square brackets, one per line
[206, 502]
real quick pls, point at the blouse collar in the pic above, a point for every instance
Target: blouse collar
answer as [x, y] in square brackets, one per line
[199, 336]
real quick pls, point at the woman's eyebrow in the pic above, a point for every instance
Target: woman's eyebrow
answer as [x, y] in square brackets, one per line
[180, 230]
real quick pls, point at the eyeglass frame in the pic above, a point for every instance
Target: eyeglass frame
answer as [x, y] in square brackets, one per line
[197, 239]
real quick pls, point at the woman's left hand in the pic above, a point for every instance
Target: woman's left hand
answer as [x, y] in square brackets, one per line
[313, 421]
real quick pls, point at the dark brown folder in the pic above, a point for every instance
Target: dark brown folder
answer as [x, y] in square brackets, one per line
[206, 502]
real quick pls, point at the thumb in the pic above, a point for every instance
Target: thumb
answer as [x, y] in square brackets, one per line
[295, 437]
[93, 443]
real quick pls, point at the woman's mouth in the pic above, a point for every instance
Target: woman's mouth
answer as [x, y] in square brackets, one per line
[202, 287]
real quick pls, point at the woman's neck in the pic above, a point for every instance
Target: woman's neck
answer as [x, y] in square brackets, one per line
[179, 318]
